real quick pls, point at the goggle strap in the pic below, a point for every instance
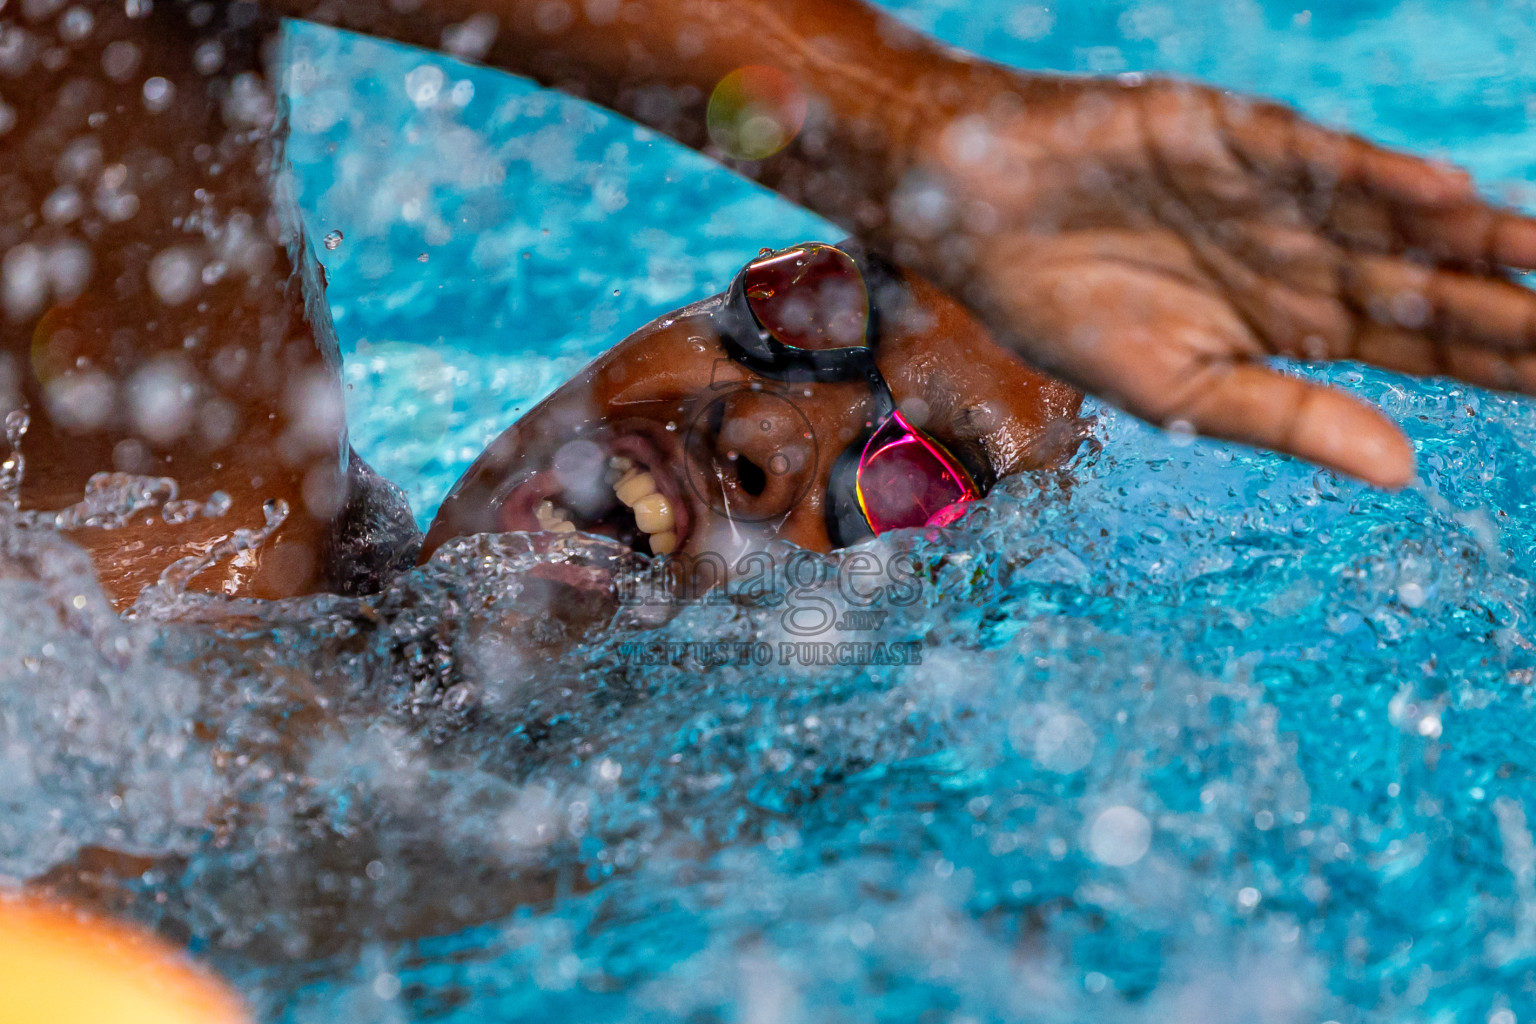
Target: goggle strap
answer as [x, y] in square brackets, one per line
[846, 523]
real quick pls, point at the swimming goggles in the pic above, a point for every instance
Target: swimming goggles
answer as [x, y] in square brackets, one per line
[812, 312]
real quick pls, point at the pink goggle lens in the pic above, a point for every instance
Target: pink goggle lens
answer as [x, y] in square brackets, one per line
[906, 479]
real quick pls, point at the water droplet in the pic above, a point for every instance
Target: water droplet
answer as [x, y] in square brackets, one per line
[159, 94]
[423, 84]
[175, 274]
[1119, 836]
[333, 240]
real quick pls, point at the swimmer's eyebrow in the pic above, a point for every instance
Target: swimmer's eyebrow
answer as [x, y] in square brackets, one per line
[945, 409]
[977, 421]
[953, 422]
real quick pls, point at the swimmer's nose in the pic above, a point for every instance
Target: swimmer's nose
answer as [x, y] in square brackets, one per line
[752, 456]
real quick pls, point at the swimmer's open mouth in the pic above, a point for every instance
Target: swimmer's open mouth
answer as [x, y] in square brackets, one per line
[629, 495]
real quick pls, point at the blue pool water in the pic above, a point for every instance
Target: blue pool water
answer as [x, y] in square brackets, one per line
[1198, 734]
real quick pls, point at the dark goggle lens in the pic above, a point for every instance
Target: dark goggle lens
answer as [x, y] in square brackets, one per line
[809, 297]
[906, 479]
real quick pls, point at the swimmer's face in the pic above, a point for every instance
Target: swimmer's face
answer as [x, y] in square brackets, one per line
[668, 445]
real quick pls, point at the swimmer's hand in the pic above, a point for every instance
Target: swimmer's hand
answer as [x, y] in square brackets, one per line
[1154, 243]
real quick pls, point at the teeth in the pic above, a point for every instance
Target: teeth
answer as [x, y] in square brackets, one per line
[633, 486]
[653, 513]
[637, 490]
[554, 518]
[618, 466]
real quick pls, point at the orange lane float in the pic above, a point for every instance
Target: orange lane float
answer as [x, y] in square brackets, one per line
[59, 965]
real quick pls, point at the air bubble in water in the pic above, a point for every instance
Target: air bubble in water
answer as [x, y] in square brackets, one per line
[423, 84]
[68, 266]
[23, 280]
[14, 466]
[174, 274]
[1064, 744]
[16, 423]
[159, 93]
[248, 103]
[119, 60]
[162, 399]
[208, 57]
[333, 240]
[1119, 837]
[62, 205]
[76, 24]
[470, 39]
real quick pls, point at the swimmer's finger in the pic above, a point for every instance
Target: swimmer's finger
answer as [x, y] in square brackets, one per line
[1471, 233]
[1406, 352]
[1253, 404]
[1446, 306]
[1280, 142]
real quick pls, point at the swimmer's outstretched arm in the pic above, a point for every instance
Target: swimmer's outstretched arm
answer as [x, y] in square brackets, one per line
[1151, 242]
